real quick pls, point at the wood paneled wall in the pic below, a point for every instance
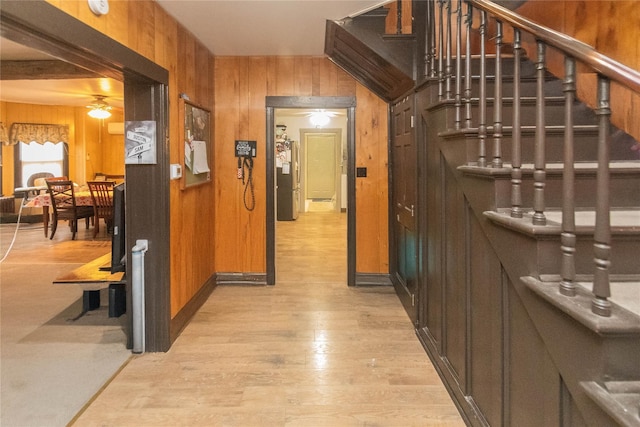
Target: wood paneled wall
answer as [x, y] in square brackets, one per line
[146, 28]
[241, 85]
[611, 27]
[210, 228]
[91, 148]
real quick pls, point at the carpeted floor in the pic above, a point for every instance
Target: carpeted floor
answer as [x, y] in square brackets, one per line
[51, 365]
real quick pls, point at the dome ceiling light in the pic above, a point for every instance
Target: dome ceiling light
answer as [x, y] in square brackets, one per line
[99, 109]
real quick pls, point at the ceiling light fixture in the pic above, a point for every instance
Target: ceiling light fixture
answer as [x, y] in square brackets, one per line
[319, 118]
[99, 109]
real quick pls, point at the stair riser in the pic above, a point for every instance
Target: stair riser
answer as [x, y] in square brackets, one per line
[528, 88]
[527, 68]
[624, 191]
[623, 257]
[586, 148]
[554, 115]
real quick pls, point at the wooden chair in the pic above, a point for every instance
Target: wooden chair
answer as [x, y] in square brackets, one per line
[63, 201]
[102, 195]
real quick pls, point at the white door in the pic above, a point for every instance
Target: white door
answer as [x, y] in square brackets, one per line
[321, 165]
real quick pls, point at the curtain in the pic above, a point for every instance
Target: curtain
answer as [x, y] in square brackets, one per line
[4, 136]
[40, 133]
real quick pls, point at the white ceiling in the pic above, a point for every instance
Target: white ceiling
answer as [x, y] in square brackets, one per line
[263, 27]
[225, 27]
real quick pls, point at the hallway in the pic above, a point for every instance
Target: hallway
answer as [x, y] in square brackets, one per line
[306, 352]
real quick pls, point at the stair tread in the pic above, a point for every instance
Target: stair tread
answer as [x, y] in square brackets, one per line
[623, 387]
[623, 221]
[625, 294]
[621, 321]
[623, 408]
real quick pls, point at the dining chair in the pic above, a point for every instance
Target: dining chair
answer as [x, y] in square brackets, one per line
[63, 201]
[102, 195]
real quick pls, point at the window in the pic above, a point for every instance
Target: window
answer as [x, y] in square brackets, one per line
[35, 158]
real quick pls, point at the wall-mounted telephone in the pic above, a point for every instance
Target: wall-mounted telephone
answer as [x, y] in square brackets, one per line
[245, 151]
[245, 148]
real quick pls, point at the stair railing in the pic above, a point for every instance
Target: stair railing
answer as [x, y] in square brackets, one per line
[573, 50]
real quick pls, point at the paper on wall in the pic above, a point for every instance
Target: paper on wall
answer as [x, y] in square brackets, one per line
[200, 163]
[187, 155]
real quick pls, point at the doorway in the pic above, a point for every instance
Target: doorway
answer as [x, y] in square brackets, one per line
[146, 98]
[344, 161]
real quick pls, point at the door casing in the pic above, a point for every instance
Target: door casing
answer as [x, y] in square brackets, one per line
[321, 102]
[42, 26]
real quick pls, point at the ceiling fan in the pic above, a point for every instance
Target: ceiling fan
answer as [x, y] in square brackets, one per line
[318, 117]
[99, 109]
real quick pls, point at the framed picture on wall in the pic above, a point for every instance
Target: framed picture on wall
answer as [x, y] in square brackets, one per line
[196, 144]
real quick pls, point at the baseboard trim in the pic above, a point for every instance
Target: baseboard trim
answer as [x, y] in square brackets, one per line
[181, 320]
[373, 279]
[259, 279]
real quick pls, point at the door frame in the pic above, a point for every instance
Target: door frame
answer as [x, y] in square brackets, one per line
[342, 102]
[42, 26]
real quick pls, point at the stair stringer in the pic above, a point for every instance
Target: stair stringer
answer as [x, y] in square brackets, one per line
[566, 340]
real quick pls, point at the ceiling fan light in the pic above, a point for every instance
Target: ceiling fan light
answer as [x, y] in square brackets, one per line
[99, 109]
[319, 119]
[99, 113]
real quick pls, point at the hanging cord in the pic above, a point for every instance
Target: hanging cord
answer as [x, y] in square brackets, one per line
[248, 162]
[15, 233]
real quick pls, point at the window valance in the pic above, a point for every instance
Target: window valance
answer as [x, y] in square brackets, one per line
[36, 132]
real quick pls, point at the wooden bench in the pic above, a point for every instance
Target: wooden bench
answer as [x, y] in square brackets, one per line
[92, 278]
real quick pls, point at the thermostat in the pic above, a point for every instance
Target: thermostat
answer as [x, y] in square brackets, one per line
[176, 171]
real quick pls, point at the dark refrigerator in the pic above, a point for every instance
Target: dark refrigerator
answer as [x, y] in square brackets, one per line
[288, 186]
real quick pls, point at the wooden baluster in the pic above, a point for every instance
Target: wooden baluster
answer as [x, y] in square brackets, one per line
[449, 66]
[482, 115]
[602, 236]
[516, 158]
[441, 51]
[497, 102]
[467, 71]
[399, 17]
[458, 76]
[568, 236]
[429, 42]
[432, 45]
[539, 173]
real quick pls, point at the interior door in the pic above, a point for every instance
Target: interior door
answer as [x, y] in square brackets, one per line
[405, 235]
[320, 153]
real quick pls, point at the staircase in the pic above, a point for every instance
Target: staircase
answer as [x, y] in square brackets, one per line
[529, 224]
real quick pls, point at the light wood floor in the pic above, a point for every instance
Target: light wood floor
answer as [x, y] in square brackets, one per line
[307, 352]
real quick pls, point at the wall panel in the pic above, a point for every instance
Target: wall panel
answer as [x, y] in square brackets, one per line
[455, 297]
[485, 314]
[241, 83]
[145, 27]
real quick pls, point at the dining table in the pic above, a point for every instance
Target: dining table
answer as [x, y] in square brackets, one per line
[43, 200]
